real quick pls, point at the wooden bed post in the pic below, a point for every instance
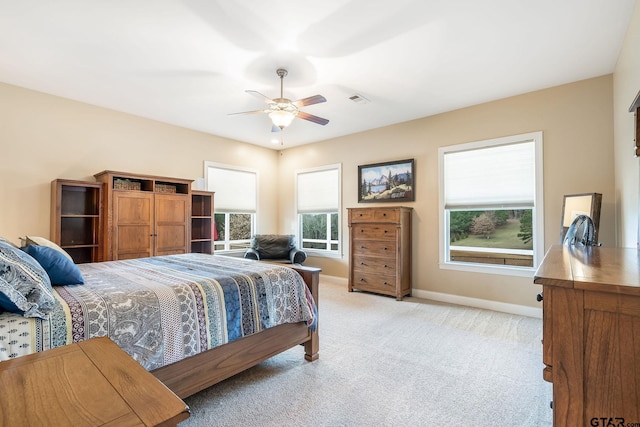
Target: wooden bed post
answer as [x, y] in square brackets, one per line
[311, 276]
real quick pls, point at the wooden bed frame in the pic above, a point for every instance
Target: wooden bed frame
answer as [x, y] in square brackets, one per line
[195, 373]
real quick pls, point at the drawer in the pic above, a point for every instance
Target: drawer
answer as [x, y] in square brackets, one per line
[382, 248]
[374, 282]
[374, 231]
[374, 215]
[373, 265]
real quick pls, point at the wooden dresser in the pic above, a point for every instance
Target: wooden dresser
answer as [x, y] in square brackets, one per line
[380, 250]
[591, 334]
[89, 383]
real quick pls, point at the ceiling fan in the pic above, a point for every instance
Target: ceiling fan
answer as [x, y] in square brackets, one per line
[282, 111]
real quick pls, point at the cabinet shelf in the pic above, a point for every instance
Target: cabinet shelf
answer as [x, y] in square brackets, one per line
[75, 218]
[202, 222]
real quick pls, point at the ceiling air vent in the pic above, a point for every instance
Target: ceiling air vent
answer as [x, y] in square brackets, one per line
[359, 99]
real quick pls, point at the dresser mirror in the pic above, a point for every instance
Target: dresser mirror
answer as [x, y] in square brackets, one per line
[575, 205]
[635, 109]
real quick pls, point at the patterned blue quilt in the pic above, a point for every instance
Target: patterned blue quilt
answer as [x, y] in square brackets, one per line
[163, 309]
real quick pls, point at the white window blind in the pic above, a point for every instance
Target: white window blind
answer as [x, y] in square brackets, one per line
[318, 191]
[500, 176]
[236, 190]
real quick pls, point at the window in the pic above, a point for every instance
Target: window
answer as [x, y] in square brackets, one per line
[318, 209]
[235, 205]
[491, 205]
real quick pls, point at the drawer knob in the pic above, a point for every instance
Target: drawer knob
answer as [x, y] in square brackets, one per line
[384, 214]
[362, 263]
[385, 248]
[362, 279]
[386, 266]
[386, 283]
[361, 247]
[385, 231]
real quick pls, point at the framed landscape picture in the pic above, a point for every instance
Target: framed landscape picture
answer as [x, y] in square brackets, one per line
[387, 182]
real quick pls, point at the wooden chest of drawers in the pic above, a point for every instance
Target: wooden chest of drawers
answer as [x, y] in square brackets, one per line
[380, 250]
[591, 334]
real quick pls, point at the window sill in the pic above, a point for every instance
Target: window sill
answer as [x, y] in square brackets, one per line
[488, 269]
[239, 253]
[322, 254]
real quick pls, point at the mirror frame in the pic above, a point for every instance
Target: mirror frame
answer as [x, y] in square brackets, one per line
[580, 204]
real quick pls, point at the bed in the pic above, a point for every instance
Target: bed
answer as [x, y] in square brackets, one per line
[192, 320]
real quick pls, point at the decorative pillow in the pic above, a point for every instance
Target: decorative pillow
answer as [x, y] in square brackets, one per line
[41, 241]
[5, 240]
[25, 287]
[61, 271]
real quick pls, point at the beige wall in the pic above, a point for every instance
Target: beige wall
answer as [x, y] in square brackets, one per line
[576, 121]
[44, 137]
[626, 84]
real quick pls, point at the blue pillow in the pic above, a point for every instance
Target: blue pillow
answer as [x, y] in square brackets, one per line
[25, 287]
[59, 268]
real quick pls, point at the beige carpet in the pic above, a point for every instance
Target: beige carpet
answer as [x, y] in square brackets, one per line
[389, 363]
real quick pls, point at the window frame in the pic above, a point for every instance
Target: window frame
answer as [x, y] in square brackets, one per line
[227, 212]
[537, 209]
[228, 242]
[326, 253]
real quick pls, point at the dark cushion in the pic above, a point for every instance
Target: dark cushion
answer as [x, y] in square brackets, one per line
[298, 256]
[273, 246]
[60, 269]
[252, 254]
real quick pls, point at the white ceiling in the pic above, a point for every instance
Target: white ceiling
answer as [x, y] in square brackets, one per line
[188, 62]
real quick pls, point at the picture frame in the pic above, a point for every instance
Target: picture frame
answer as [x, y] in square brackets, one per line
[392, 181]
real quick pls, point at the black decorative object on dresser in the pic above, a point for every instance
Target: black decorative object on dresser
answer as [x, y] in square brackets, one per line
[380, 250]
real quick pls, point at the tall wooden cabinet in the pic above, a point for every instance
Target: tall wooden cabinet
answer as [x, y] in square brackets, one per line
[145, 215]
[202, 222]
[380, 250]
[591, 334]
[75, 218]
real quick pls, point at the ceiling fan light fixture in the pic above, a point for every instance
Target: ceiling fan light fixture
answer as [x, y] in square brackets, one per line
[281, 118]
[282, 110]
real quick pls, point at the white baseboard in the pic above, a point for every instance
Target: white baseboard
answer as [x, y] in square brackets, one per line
[503, 307]
[486, 304]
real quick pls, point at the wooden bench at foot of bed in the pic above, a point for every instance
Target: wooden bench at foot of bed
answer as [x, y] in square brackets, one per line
[195, 373]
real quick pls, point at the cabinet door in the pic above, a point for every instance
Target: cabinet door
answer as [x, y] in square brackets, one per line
[133, 225]
[611, 356]
[172, 218]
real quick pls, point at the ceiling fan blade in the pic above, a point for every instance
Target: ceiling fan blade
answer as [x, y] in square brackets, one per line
[259, 95]
[312, 118]
[247, 112]
[316, 99]
[275, 128]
